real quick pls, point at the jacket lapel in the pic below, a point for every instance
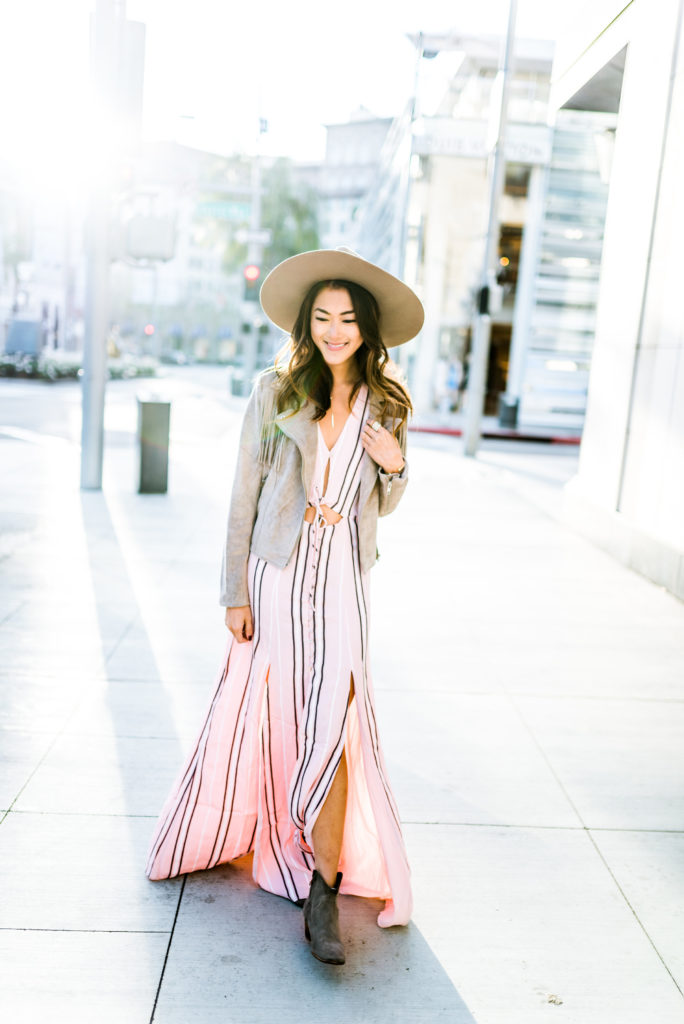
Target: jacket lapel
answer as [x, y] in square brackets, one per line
[300, 428]
[303, 430]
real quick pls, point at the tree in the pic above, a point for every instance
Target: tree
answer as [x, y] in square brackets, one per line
[289, 211]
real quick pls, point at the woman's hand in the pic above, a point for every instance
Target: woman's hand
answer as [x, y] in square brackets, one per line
[383, 448]
[239, 622]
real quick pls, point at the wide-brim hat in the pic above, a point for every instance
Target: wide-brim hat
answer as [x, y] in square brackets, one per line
[284, 290]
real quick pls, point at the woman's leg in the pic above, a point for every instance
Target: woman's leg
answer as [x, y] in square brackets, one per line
[329, 828]
[321, 920]
[328, 831]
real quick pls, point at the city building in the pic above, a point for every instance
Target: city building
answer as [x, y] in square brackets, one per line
[176, 260]
[352, 153]
[177, 219]
[553, 333]
[425, 216]
[41, 279]
[621, 60]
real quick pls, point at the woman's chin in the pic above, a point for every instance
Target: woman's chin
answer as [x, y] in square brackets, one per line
[337, 358]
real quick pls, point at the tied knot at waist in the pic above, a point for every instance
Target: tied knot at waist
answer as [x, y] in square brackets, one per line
[321, 514]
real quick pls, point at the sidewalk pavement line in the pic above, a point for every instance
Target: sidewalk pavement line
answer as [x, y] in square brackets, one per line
[168, 948]
[528, 729]
[122, 636]
[49, 748]
[90, 931]
[88, 814]
[593, 842]
[36, 437]
[636, 916]
[12, 611]
[508, 824]
[58, 735]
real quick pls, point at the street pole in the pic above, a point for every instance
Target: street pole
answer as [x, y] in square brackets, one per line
[255, 249]
[412, 111]
[105, 49]
[479, 354]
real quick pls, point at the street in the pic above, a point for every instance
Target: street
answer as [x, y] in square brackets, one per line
[530, 694]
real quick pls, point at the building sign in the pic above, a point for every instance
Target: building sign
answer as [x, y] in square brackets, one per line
[445, 136]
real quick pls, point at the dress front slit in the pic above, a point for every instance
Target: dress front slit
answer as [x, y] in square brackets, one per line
[281, 717]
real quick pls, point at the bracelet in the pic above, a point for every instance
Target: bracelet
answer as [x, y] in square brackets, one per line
[396, 472]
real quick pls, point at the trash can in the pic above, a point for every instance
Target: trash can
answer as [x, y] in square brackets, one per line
[154, 415]
[508, 411]
[237, 385]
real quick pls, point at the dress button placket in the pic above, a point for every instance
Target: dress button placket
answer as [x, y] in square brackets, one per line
[319, 524]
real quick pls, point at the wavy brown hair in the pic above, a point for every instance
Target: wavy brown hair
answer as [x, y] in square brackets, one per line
[304, 376]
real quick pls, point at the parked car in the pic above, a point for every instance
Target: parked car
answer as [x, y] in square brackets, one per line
[24, 337]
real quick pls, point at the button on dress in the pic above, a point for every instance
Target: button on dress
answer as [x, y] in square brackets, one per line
[285, 707]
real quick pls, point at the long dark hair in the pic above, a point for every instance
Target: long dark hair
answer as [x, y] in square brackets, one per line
[305, 376]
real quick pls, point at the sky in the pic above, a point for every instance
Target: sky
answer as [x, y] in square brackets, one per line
[213, 67]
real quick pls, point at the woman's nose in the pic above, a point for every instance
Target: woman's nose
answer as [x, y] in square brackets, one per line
[333, 330]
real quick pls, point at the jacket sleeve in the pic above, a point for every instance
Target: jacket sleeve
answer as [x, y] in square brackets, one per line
[393, 486]
[243, 507]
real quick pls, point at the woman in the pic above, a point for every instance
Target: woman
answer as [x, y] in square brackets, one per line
[288, 763]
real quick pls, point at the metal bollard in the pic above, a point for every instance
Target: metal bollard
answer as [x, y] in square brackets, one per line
[508, 411]
[154, 415]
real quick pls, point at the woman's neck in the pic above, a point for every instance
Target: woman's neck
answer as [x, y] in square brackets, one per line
[344, 377]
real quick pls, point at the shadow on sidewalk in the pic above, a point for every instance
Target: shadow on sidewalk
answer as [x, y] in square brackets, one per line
[234, 948]
[134, 709]
[240, 951]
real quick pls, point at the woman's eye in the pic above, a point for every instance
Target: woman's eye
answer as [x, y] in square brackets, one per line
[349, 321]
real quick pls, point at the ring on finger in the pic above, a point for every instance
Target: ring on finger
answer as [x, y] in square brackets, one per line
[375, 426]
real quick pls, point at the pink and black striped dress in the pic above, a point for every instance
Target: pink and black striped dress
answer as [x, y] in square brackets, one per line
[281, 716]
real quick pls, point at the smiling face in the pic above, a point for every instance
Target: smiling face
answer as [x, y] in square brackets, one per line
[334, 329]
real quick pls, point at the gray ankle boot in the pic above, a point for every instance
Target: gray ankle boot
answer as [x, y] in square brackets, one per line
[321, 923]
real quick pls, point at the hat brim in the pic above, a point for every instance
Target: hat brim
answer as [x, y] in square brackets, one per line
[284, 290]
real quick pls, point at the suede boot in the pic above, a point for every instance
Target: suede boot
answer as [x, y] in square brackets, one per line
[321, 923]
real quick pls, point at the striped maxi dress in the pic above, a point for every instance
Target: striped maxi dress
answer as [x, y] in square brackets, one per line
[281, 716]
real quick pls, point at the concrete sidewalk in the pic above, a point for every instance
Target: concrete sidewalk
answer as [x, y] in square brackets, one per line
[530, 694]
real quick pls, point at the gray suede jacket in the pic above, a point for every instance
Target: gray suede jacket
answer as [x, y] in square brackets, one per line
[269, 500]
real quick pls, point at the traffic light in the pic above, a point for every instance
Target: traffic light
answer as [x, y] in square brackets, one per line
[252, 274]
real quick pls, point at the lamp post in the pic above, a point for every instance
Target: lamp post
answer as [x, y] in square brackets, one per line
[256, 239]
[105, 42]
[479, 357]
[116, 72]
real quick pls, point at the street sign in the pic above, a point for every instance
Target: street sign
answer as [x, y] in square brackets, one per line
[442, 136]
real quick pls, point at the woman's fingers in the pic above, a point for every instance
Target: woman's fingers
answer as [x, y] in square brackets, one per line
[239, 632]
[382, 446]
[248, 629]
[239, 622]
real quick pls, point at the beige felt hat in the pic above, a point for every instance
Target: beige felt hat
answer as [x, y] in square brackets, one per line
[284, 290]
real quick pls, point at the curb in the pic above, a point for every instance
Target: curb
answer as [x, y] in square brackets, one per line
[507, 435]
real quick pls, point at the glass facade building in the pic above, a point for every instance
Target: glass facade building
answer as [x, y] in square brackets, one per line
[557, 353]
